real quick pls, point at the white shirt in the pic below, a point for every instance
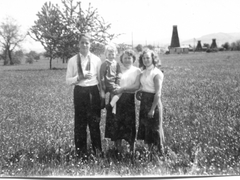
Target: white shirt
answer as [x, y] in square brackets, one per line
[129, 76]
[147, 79]
[72, 70]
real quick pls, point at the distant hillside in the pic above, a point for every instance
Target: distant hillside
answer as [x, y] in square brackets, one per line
[221, 38]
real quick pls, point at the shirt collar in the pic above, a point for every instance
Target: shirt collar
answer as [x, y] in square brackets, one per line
[110, 61]
[150, 67]
[88, 55]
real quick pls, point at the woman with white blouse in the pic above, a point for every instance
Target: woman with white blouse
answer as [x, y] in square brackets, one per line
[123, 124]
[150, 117]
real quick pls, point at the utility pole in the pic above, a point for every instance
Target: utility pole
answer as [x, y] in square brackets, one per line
[132, 40]
[194, 44]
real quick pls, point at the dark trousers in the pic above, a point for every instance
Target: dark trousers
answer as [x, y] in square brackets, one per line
[87, 113]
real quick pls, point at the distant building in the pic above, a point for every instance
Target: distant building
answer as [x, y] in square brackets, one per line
[175, 47]
[199, 46]
[175, 38]
[214, 45]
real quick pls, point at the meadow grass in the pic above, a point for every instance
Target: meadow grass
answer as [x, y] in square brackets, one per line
[201, 122]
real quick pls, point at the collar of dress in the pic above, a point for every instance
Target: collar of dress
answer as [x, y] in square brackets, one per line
[149, 68]
[110, 61]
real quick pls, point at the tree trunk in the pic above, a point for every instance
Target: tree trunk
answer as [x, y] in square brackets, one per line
[64, 60]
[50, 62]
[6, 57]
[10, 57]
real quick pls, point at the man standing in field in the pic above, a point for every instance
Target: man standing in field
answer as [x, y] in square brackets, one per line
[83, 72]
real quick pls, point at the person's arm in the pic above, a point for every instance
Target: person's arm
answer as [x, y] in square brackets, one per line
[157, 97]
[118, 72]
[160, 106]
[158, 102]
[71, 79]
[101, 79]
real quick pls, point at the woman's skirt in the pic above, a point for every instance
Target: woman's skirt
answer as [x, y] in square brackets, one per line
[149, 128]
[123, 124]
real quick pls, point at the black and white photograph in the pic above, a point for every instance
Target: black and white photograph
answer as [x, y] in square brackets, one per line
[120, 89]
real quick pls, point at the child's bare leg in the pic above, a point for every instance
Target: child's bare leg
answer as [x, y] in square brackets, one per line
[113, 102]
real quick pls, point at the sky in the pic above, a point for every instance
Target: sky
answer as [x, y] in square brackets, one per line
[142, 21]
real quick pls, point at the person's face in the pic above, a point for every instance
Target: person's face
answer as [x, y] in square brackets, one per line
[111, 55]
[127, 60]
[84, 45]
[147, 59]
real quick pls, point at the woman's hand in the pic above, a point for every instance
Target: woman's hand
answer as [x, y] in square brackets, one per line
[139, 95]
[118, 90]
[151, 113]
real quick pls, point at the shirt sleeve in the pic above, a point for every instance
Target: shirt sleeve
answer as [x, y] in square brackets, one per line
[102, 74]
[71, 79]
[118, 72]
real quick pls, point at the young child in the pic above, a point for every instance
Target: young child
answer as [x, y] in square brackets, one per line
[110, 74]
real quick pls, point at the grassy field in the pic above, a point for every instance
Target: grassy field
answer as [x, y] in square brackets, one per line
[201, 121]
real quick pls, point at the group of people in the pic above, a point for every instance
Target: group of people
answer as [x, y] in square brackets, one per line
[93, 79]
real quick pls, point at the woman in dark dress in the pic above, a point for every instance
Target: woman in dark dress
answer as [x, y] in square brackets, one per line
[150, 118]
[123, 124]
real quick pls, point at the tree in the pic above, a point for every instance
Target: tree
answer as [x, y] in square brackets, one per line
[233, 46]
[34, 55]
[226, 45]
[10, 38]
[238, 45]
[59, 30]
[17, 56]
[48, 30]
[122, 47]
[139, 48]
[150, 46]
[85, 21]
[19, 53]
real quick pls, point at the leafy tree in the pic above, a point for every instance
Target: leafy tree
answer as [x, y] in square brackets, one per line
[97, 48]
[233, 46]
[48, 30]
[34, 55]
[238, 45]
[19, 54]
[150, 47]
[226, 45]
[59, 30]
[29, 59]
[10, 38]
[85, 21]
[122, 47]
[139, 48]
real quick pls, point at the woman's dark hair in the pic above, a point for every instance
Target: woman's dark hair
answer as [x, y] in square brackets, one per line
[128, 52]
[155, 59]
